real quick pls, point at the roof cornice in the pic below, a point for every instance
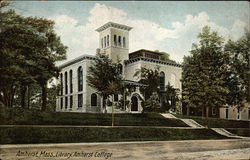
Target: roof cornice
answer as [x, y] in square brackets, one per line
[152, 61]
[114, 25]
[78, 59]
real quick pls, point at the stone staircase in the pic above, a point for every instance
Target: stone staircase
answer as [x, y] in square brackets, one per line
[224, 132]
[192, 123]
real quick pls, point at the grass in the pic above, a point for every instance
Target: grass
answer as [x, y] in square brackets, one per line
[28, 135]
[239, 131]
[218, 123]
[19, 116]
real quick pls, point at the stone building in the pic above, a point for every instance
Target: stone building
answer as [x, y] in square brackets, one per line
[77, 96]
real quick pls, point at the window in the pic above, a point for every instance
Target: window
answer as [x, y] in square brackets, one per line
[66, 102]
[120, 68]
[124, 42]
[93, 99]
[102, 42]
[66, 82]
[107, 40]
[71, 102]
[71, 81]
[115, 40]
[238, 113]
[226, 113]
[61, 78]
[80, 100]
[213, 111]
[61, 103]
[119, 41]
[115, 97]
[162, 81]
[80, 79]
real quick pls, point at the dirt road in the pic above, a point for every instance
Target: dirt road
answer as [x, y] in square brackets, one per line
[235, 149]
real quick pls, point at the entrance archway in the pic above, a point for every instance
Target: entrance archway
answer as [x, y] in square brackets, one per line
[134, 105]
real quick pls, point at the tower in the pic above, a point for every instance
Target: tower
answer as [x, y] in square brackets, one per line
[114, 41]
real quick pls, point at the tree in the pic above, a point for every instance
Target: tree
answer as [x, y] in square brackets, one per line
[239, 58]
[149, 77]
[153, 102]
[104, 76]
[204, 73]
[29, 51]
[165, 57]
[170, 97]
[14, 38]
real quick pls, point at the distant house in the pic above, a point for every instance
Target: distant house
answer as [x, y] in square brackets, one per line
[77, 96]
[235, 113]
[226, 112]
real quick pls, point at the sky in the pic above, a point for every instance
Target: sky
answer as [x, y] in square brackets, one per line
[168, 26]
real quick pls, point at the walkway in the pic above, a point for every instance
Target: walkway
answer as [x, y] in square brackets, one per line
[192, 123]
[224, 132]
[189, 122]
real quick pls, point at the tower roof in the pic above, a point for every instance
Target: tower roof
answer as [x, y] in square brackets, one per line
[114, 25]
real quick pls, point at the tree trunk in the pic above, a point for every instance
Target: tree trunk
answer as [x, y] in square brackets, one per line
[101, 103]
[104, 103]
[113, 112]
[188, 110]
[12, 96]
[203, 112]
[44, 97]
[23, 95]
[28, 87]
[207, 114]
[248, 91]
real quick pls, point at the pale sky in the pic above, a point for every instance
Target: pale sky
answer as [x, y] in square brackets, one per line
[167, 26]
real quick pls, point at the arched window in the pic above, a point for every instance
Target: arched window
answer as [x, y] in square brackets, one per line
[66, 82]
[107, 40]
[124, 42]
[119, 41]
[115, 40]
[71, 81]
[120, 68]
[80, 78]
[61, 79]
[162, 81]
[93, 99]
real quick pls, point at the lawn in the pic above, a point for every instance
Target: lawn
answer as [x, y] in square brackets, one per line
[218, 123]
[28, 135]
[32, 117]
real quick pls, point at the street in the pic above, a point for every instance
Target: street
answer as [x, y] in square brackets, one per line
[235, 149]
